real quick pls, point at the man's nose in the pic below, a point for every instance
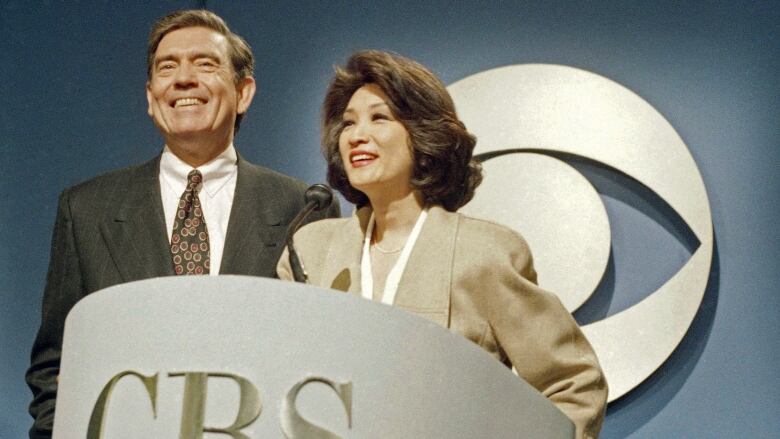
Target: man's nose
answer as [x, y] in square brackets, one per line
[185, 76]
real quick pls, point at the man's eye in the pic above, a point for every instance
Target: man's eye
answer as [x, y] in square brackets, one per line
[207, 64]
[165, 67]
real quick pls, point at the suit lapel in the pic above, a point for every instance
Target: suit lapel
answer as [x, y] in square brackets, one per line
[425, 285]
[135, 234]
[255, 230]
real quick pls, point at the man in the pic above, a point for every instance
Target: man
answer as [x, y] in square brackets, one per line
[197, 208]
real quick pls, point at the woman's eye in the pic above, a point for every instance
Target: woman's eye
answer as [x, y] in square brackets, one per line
[380, 116]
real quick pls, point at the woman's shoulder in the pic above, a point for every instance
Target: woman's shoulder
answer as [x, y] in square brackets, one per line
[322, 227]
[487, 232]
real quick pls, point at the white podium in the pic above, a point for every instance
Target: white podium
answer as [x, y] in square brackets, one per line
[244, 357]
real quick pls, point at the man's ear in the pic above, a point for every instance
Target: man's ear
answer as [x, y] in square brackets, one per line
[149, 99]
[245, 89]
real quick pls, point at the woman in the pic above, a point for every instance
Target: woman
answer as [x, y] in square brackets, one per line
[396, 148]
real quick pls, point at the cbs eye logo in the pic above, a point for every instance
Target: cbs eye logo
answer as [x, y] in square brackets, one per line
[525, 118]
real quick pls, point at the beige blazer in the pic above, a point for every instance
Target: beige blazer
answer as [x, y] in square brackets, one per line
[477, 279]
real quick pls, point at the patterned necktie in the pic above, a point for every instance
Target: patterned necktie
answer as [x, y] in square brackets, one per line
[190, 238]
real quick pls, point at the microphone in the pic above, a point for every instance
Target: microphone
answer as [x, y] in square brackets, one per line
[318, 197]
[320, 194]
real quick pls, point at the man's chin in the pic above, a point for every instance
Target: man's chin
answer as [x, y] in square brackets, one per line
[186, 136]
[196, 148]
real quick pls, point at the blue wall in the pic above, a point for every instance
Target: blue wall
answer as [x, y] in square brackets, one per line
[72, 76]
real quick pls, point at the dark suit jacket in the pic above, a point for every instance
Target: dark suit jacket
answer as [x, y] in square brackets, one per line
[111, 230]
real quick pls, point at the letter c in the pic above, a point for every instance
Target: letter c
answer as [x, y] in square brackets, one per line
[95, 428]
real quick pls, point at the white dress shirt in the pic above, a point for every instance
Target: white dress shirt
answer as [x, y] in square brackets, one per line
[216, 195]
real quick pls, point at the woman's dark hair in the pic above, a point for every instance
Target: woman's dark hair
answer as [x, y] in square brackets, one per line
[444, 171]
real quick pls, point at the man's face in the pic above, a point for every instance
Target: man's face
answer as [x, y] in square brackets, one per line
[192, 93]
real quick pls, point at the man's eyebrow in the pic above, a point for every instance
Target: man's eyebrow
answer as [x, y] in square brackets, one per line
[210, 55]
[159, 59]
[195, 55]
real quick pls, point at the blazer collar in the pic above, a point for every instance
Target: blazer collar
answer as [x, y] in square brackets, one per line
[426, 282]
[343, 261]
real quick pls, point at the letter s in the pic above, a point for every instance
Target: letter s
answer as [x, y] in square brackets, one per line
[293, 424]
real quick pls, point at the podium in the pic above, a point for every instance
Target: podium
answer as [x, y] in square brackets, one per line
[245, 357]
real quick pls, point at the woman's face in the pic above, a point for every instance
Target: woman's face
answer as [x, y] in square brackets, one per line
[374, 145]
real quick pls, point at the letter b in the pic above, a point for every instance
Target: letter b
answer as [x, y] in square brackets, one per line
[194, 405]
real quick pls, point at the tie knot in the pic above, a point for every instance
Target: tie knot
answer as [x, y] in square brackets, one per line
[194, 178]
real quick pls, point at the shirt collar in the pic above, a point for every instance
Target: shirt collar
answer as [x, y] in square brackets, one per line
[216, 173]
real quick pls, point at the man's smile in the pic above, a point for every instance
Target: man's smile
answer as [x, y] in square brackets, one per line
[186, 102]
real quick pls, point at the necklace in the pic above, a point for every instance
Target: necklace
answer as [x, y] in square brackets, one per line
[386, 252]
[394, 277]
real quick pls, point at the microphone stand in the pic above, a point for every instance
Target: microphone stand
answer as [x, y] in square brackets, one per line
[318, 197]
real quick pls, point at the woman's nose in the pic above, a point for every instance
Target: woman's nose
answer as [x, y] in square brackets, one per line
[358, 134]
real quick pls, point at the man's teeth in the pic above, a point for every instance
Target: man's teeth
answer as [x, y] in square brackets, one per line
[358, 157]
[186, 102]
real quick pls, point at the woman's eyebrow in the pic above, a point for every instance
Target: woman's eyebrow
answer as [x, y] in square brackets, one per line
[370, 107]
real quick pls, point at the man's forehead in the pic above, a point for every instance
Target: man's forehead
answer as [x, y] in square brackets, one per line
[192, 40]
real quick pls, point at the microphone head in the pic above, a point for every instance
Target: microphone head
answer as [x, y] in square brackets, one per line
[320, 194]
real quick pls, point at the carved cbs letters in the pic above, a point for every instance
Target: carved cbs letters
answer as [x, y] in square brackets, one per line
[98, 417]
[250, 407]
[294, 426]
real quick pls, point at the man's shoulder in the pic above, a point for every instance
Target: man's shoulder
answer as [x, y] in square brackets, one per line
[281, 193]
[114, 183]
[117, 178]
[271, 175]
[266, 176]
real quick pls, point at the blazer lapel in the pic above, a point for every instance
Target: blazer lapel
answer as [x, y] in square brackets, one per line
[425, 285]
[342, 264]
[135, 234]
[255, 230]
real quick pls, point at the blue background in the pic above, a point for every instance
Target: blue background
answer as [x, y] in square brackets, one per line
[72, 78]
